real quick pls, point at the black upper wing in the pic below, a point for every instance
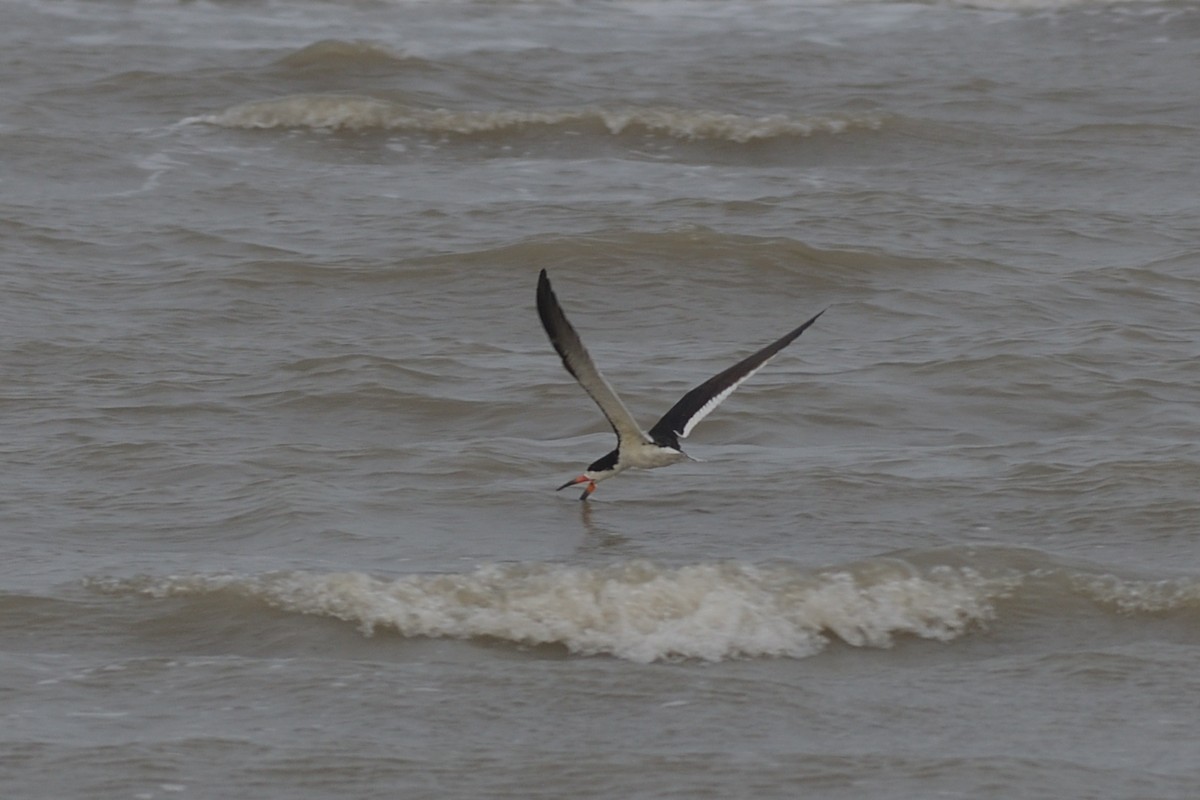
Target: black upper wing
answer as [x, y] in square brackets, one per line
[699, 402]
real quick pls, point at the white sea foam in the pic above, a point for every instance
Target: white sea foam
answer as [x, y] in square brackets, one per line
[637, 610]
[1140, 596]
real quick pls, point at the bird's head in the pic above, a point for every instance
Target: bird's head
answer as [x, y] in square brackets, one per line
[598, 470]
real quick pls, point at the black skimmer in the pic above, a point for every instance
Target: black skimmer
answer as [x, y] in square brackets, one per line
[659, 446]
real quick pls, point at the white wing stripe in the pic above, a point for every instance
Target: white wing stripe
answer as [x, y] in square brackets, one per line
[715, 401]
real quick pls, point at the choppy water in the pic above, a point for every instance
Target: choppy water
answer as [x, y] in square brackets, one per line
[282, 429]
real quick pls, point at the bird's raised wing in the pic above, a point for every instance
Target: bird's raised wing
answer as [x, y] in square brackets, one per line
[699, 402]
[577, 361]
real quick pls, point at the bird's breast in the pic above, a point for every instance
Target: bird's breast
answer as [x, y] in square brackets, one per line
[649, 456]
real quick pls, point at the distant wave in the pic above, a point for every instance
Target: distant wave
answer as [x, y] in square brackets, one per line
[361, 114]
[336, 53]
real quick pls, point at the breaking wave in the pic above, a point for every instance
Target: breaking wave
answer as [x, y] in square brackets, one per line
[638, 610]
[358, 113]
[643, 612]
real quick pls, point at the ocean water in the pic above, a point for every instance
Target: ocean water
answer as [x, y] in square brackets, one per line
[282, 429]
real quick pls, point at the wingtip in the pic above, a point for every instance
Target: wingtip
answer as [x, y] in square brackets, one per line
[811, 320]
[546, 301]
[544, 292]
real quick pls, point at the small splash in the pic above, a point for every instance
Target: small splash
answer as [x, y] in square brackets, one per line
[357, 113]
[637, 611]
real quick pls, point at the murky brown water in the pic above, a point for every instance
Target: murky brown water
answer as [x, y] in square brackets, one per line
[282, 427]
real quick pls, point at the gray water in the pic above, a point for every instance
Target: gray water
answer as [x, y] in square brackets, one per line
[282, 428]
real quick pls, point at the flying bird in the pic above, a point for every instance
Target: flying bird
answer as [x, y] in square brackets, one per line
[658, 447]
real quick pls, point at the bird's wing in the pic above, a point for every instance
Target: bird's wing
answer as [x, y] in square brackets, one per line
[577, 361]
[699, 402]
